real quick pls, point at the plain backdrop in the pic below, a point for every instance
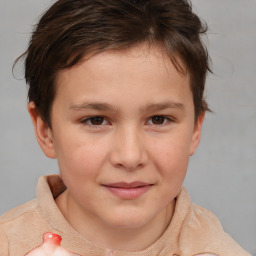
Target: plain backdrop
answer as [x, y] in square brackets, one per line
[222, 173]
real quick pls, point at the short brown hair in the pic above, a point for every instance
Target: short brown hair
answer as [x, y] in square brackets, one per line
[72, 29]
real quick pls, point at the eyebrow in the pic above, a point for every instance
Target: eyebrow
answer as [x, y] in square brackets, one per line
[107, 107]
[163, 106]
[94, 106]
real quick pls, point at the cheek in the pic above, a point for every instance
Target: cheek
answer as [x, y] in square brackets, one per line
[80, 168]
[171, 150]
[171, 157]
[79, 157]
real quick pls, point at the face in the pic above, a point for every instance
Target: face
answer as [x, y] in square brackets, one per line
[123, 130]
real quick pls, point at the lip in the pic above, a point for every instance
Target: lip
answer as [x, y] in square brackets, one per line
[128, 191]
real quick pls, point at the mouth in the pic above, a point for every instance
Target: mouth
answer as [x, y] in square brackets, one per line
[128, 191]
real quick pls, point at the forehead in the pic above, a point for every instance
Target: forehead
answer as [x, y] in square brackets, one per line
[145, 69]
[152, 54]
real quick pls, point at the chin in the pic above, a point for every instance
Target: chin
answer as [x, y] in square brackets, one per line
[128, 220]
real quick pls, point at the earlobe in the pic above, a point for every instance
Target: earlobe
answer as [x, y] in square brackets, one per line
[43, 132]
[196, 134]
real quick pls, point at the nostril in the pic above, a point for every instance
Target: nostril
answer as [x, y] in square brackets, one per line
[129, 162]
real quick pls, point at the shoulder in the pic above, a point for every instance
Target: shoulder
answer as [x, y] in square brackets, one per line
[20, 215]
[16, 226]
[18, 211]
[202, 231]
[4, 243]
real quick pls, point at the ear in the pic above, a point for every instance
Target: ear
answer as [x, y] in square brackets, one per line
[43, 132]
[196, 134]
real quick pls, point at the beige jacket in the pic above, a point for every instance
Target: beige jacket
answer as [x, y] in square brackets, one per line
[192, 231]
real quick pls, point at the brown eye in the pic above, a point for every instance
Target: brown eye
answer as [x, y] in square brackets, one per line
[96, 120]
[158, 120]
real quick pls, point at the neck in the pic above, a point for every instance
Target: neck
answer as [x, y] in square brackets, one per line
[104, 236]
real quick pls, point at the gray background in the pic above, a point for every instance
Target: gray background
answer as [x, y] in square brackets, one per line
[222, 173]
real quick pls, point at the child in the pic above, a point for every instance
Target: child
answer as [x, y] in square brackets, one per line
[116, 95]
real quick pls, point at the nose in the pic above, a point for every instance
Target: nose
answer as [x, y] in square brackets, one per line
[129, 149]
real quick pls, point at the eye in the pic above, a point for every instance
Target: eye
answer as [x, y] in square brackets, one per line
[158, 120]
[95, 121]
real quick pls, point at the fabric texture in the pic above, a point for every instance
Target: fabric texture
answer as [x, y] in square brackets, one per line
[193, 230]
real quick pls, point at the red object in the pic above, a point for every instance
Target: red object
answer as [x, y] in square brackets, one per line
[52, 238]
[50, 246]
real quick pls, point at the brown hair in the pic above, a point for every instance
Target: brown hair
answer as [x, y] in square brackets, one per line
[72, 29]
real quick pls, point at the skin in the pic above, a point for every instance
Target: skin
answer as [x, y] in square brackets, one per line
[146, 133]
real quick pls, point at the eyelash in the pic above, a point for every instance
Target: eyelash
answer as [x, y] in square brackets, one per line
[166, 120]
[103, 119]
[89, 119]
